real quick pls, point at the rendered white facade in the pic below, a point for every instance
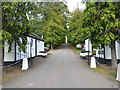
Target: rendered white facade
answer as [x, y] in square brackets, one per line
[88, 46]
[9, 56]
[108, 51]
[32, 50]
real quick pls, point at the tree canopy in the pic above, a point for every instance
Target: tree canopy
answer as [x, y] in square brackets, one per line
[16, 26]
[101, 22]
[102, 25]
[42, 18]
[52, 21]
[75, 34]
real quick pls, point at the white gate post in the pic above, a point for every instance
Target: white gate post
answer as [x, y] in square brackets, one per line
[93, 62]
[118, 72]
[25, 64]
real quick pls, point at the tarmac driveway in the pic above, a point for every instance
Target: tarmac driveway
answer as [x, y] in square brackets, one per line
[62, 69]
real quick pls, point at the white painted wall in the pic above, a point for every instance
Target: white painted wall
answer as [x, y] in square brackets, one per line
[118, 50]
[11, 56]
[88, 47]
[28, 46]
[33, 47]
[18, 57]
[8, 57]
[38, 42]
[27, 50]
[41, 45]
[108, 51]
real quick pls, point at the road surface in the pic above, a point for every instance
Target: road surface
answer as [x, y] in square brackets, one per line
[62, 69]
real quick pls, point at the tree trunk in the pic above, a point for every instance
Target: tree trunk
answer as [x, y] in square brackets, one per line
[113, 55]
[51, 46]
[3, 59]
[2, 55]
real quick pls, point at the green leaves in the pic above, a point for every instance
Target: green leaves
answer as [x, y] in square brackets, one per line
[75, 27]
[15, 22]
[103, 22]
[51, 23]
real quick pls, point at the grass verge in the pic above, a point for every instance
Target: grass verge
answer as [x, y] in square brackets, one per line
[76, 50]
[106, 71]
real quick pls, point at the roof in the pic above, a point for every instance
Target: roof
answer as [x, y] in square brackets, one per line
[36, 37]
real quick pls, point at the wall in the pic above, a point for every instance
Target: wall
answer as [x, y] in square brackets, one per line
[118, 50]
[108, 51]
[28, 46]
[88, 45]
[41, 46]
[33, 47]
[8, 57]
[18, 56]
[30, 50]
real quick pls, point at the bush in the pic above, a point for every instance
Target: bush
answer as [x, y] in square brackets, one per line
[42, 51]
[79, 48]
[83, 51]
[48, 45]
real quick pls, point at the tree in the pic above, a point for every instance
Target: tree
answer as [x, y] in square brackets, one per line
[16, 26]
[52, 22]
[36, 21]
[75, 27]
[102, 25]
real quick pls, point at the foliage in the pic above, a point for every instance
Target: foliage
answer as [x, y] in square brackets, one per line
[52, 21]
[16, 25]
[43, 51]
[84, 51]
[101, 22]
[75, 27]
[42, 18]
[76, 50]
[102, 25]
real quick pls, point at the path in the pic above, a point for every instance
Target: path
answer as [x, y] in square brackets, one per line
[62, 69]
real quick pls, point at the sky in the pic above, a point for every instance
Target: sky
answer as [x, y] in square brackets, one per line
[72, 5]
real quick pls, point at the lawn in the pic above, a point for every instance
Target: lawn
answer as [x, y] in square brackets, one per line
[76, 50]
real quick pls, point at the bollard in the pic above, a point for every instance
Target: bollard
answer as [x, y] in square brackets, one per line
[93, 62]
[118, 72]
[25, 64]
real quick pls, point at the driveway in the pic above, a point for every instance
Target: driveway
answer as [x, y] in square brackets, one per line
[62, 69]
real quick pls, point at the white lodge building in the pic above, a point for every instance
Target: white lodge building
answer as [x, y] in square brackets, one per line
[103, 54]
[35, 44]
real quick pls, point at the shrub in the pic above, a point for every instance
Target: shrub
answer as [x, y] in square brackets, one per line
[83, 51]
[42, 51]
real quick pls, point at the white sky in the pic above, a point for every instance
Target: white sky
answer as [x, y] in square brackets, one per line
[72, 5]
